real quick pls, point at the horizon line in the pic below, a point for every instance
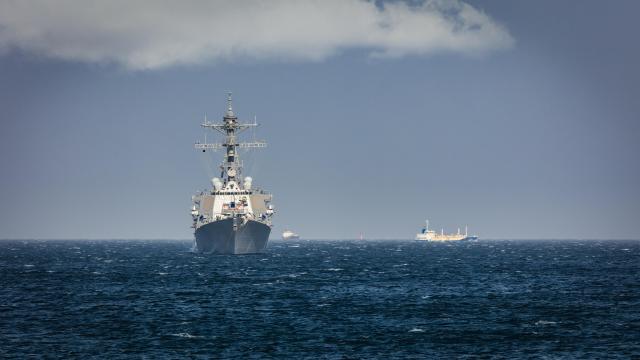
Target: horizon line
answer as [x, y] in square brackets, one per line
[319, 239]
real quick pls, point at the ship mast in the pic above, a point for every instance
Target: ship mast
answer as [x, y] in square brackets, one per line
[231, 165]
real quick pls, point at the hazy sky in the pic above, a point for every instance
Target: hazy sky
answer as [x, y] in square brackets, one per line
[520, 119]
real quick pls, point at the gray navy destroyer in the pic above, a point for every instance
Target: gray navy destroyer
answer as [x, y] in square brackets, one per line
[233, 217]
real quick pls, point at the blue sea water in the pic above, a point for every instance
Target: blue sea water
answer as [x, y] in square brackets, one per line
[321, 299]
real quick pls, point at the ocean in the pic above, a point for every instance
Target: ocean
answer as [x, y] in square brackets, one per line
[321, 300]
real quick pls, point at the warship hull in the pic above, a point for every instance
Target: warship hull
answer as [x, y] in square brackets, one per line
[219, 237]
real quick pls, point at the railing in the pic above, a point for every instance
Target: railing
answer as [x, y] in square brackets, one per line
[217, 146]
[210, 146]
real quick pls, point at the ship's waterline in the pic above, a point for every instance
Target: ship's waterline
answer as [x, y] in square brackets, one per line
[220, 237]
[233, 217]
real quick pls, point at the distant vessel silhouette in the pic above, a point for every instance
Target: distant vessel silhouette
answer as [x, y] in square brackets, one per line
[430, 235]
[289, 235]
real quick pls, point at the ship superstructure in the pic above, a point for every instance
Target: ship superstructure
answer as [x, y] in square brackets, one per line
[430, 235]
[290, 235]
[234, 216]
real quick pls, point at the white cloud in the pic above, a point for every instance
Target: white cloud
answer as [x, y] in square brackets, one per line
[152, 34]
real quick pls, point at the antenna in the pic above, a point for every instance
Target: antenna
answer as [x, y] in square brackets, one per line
[230, 127]
[253, 130]
[205, 133]
[229, 104]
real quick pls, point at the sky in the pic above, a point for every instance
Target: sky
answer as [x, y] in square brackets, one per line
[519, 119]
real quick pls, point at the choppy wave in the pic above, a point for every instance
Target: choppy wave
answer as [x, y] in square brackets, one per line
[358, 299]
[187, 335]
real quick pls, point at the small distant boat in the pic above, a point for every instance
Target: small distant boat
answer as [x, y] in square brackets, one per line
[430, 235]
[289, 235]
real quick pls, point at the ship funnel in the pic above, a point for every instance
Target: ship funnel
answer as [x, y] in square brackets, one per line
[247, 183]
[217, 183]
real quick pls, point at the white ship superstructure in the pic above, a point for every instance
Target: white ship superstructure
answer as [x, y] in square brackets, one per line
[234, 216]
[431, 235]
[289, 235]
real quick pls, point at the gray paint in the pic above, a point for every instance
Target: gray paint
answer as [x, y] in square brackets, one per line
[219, 237]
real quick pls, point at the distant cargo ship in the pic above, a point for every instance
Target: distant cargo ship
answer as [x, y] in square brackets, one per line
[431, 235]
[290, 235]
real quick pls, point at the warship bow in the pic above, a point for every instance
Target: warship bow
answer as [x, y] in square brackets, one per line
[233, 217]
